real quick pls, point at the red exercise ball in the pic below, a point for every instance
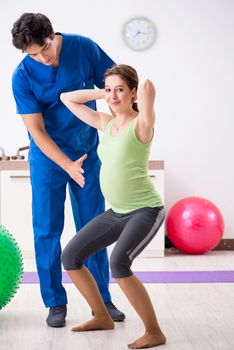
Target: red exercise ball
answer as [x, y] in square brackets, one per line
[194, 225]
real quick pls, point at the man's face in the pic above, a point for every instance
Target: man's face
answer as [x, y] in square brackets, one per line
[46, 54]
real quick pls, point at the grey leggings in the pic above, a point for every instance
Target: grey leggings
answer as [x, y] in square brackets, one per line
[132, 232]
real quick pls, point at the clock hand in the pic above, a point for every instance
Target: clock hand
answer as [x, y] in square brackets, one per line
[139, 33]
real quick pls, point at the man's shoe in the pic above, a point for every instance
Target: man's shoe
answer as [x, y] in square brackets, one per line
[57, 316]
[115, 314]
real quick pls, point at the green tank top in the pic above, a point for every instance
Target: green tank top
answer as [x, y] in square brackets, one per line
[124, 172]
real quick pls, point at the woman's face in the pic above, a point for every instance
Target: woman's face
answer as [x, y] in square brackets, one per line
[118, 95]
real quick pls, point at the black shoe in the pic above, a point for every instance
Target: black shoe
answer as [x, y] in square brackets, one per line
[57, 316]
[115, 314]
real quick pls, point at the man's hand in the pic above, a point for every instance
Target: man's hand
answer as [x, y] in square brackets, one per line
[76, 172]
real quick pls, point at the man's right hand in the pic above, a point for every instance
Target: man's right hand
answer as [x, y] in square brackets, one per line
[76, 172]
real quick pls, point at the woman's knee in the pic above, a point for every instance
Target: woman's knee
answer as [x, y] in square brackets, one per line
[120, 267]
[69, 261]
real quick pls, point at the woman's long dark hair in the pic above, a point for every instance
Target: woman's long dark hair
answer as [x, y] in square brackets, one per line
[128, 74]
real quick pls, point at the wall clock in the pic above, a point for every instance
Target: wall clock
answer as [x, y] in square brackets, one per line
[139, 33]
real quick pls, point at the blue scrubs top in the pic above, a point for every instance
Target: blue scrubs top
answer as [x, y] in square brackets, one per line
[37, 88]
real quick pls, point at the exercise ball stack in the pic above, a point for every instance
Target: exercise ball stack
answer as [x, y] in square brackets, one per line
[11, 266]
[195, 225]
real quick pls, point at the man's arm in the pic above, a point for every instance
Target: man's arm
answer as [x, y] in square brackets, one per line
[100, 61]
[35, 125]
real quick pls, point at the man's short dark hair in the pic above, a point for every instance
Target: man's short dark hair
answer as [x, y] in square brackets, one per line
[31, 29]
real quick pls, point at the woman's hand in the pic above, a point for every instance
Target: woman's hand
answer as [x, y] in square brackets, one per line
[146, 90]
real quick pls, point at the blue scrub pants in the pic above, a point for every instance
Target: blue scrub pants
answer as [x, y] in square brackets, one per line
[48, 197]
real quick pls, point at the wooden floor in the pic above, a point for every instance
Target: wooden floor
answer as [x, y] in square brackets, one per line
[193, 316]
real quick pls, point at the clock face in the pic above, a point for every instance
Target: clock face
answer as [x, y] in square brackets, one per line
[139, 33]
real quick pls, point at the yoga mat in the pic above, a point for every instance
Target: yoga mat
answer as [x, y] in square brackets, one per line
[221, 276]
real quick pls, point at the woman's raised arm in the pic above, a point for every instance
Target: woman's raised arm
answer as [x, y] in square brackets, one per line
[146, 119]
[75, 101]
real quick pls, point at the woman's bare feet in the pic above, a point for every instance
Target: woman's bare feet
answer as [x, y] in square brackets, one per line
[148, 340]
[96, 323]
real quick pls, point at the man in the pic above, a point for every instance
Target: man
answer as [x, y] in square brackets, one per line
[59, 143]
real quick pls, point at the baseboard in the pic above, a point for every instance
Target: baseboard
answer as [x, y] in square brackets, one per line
[224, 244]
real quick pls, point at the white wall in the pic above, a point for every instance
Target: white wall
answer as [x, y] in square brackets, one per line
[192, 66]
